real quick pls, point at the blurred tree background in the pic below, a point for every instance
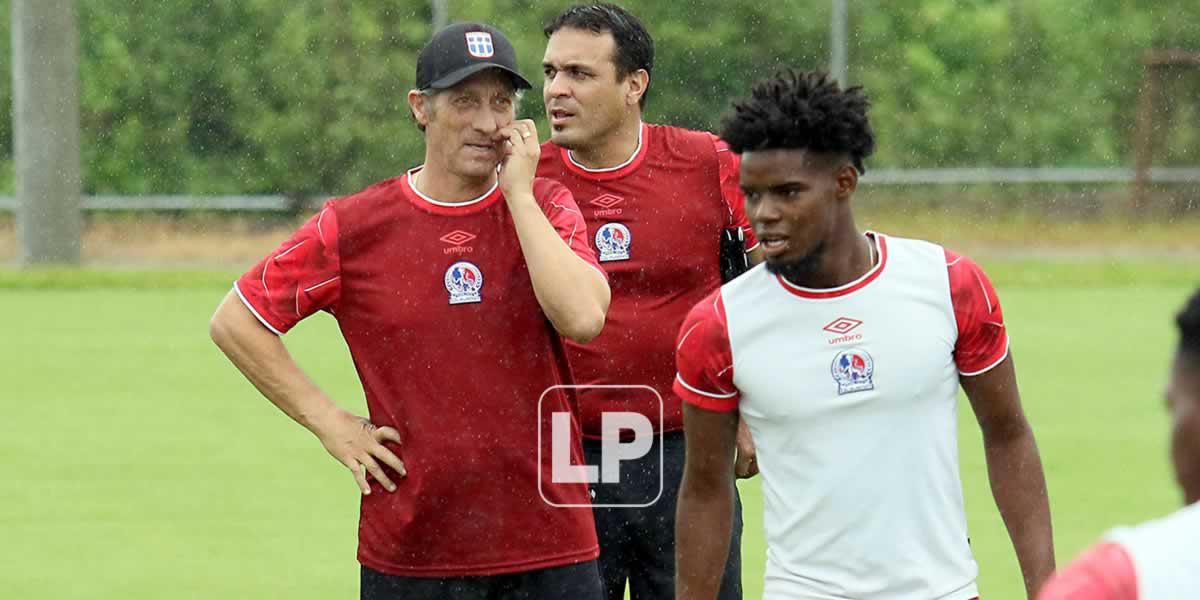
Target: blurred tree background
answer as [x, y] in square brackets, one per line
[308, 96]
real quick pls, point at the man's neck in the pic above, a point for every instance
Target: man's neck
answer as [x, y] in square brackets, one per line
[847, 257]
[615, 149]
[443, 186]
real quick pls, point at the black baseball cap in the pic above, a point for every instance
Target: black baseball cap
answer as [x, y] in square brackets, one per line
[462, 50]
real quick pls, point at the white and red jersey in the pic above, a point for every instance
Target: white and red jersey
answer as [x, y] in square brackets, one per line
[453, 350]
[1159, 560]
[851, 397]
[655, 223]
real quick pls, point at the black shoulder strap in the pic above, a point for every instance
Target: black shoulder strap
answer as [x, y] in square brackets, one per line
[733, 253]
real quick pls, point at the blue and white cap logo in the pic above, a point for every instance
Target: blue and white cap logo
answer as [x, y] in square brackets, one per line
[464, 281]
[854, 371]
[613, 241]
[479, 44]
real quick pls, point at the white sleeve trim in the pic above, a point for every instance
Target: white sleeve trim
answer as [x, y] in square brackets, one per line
[255, 312]
[575, 225]
[1007, 342]
[685, 336]
[679, 378]
[753, 248]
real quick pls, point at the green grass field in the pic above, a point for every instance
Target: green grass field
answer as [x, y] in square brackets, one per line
[137, 463]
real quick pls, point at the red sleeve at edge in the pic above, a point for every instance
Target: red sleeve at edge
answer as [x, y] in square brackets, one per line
[1103, 572]
[301, 277]
[982, 336]
[560, 209]
[703, 358]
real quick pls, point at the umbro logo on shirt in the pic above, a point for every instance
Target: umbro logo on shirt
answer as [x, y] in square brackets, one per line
[844, 326]
[607, 204]
[456, 241]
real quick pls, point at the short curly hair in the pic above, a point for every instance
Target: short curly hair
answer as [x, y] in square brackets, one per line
[802, 110]
[1188, 322]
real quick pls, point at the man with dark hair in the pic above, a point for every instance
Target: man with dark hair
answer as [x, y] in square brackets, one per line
[666, 212]
[844, 354]
[1159, 560]
[438, 279]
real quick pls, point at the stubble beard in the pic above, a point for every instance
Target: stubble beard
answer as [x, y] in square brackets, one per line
[798, 270]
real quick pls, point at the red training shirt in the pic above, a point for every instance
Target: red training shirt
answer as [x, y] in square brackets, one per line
[453, 350]
[655, 223]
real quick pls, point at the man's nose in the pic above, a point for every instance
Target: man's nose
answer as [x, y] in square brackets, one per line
[486, 120]
[765, 210]
[557, 85]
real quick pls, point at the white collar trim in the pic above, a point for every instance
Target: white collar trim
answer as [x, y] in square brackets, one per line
[413, 185]
[636, 152]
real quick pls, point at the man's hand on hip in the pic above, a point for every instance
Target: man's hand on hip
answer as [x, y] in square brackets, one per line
[358, 444]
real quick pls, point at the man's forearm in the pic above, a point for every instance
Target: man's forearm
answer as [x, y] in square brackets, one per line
[703, 526]
[573, 295]
[1019, 488]
[261, 356]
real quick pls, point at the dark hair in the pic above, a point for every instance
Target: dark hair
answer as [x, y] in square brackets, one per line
[802, 110]
[1188, 321]
[634, 46]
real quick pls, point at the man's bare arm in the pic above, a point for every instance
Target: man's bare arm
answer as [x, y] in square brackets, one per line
[261, 356]
[704, 514]
[573, 295]
[1014, 470]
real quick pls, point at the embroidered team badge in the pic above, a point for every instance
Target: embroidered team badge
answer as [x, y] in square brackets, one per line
[464, 281]
[479, 44]
[854, 371]
[613, 240]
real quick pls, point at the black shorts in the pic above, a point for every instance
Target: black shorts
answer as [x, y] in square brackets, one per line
[638, 544]
[570, 582]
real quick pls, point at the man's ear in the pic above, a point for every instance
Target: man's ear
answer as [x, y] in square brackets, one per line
[636, 83]
[418, 103]
[846, 180]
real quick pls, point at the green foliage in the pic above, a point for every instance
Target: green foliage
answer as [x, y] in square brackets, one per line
[245, 96]
[308, 96]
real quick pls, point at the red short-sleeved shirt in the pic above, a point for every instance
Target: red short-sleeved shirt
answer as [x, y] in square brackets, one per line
[436, 305]
[655, 223]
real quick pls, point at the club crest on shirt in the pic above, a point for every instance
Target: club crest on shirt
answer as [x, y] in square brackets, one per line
[464, 281]
[854, 371]
[613, 241]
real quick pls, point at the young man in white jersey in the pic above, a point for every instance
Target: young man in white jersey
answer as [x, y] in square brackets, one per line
[844, 354]
[1159, 560]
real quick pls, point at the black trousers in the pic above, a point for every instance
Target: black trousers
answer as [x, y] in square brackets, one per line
[580, 581]
[638, 544]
